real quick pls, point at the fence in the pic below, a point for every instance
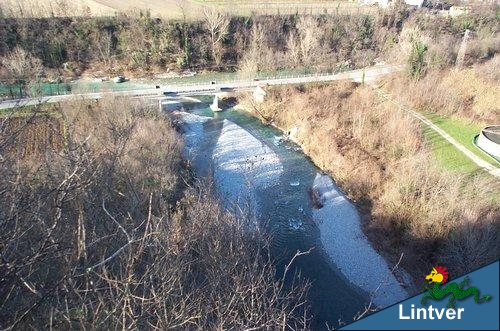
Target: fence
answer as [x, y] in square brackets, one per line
[15, 91]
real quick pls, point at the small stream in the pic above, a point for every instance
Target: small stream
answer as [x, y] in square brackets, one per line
[283, 205]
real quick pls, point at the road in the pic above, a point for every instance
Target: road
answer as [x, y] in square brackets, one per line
[365, 74]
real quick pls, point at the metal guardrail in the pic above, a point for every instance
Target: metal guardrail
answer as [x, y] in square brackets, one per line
[286, 77]
[248, 81]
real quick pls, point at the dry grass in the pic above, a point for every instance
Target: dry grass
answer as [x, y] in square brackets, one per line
[49, 8]
[349, 121]
[28, 136]
[175, 9]
[467, 93]
[377, 155]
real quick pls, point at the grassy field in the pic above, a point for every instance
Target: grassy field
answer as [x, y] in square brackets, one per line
[446, 155]
[464, 132]
[48, 8]
[285, 7]
[174, 9]
[28, 111]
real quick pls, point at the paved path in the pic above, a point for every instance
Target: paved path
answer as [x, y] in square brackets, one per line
[495, 171]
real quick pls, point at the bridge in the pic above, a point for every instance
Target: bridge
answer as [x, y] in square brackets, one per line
[359, 75]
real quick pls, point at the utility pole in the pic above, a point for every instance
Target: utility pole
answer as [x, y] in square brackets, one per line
[462, 50]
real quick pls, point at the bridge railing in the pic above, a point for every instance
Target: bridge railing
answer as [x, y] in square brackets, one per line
[255, 81]
[215, 85]
[259, 80]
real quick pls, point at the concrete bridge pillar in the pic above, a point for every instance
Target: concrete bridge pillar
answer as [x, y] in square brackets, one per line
[259, 94]
[215, 105]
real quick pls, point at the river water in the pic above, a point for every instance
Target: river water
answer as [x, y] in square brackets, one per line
[277, 191]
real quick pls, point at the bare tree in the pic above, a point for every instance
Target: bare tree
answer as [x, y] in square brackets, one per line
[97, 234]
[217, 24]
[104, 43]
[22, 68]
[309, 33]
[253, 58]
[293, 49]
[182, 5]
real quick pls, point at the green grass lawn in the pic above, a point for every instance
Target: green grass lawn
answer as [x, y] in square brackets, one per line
[463, 131]
[446, 155]
[449, 157]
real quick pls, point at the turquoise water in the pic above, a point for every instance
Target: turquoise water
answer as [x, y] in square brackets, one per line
[47, 89]
[12, 91]
[285, 211]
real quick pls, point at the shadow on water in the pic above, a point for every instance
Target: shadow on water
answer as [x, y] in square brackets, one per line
[286, 210]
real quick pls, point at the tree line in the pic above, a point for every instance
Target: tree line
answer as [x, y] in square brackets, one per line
[139, 44]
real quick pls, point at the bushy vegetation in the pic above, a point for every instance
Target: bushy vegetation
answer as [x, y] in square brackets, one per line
[376, 152]
[469, 93]
[102, 227]
[138, 43]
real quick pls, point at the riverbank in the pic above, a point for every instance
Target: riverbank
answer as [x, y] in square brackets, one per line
[378, 156]
[104, 182]
[245, 169]
[348, 247]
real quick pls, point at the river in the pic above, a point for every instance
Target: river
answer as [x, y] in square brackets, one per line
[259, 173]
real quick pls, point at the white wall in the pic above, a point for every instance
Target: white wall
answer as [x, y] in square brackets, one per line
[414, 2]
[488, 146]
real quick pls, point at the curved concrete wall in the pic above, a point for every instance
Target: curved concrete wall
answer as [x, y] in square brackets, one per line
[486, 144]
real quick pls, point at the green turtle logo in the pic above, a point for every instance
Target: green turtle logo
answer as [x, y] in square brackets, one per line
[439, 276]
